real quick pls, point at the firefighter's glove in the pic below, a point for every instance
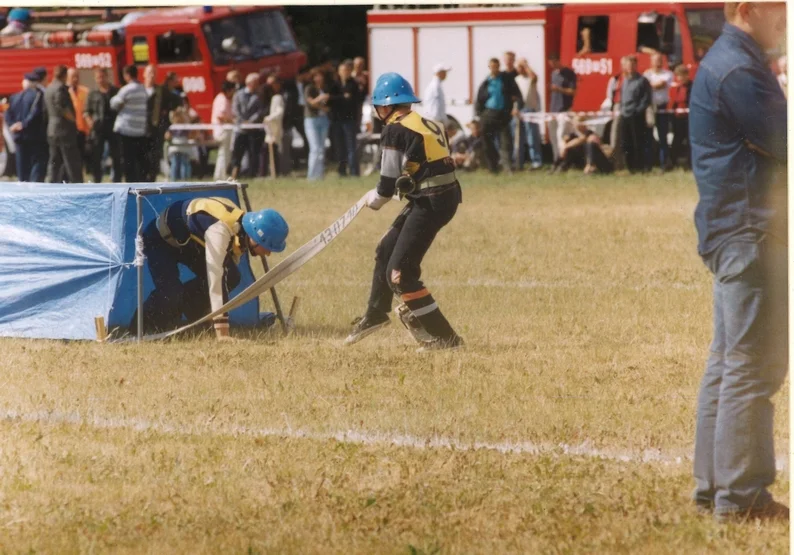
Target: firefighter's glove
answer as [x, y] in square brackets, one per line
[405, 185]
[375, 201]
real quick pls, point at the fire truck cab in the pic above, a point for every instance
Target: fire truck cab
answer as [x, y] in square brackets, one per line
[199, 44]
[594, 37]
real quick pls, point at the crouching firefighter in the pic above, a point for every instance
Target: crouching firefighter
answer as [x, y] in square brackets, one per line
[416, 162]
[208, 235]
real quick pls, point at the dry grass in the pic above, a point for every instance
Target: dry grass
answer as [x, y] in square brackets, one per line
[587, 317]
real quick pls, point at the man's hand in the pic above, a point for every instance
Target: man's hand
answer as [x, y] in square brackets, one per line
[16, 127]
[375, 201]
[227, 339]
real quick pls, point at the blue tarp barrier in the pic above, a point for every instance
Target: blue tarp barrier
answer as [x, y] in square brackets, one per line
[67, 256]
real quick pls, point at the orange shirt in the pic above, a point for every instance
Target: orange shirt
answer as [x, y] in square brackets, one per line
[79, 99]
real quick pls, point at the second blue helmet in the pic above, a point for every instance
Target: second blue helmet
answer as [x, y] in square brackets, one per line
[392, 89]
[267, 228]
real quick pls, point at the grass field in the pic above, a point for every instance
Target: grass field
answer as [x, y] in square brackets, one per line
[566, 426]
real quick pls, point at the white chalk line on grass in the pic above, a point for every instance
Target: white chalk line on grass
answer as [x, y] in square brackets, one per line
[358, 437]
[523, 284]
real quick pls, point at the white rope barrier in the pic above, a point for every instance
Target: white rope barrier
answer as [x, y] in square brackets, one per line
[533, 117]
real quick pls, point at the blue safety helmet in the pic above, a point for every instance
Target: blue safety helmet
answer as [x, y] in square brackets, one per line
[392, 89]
[267, 228]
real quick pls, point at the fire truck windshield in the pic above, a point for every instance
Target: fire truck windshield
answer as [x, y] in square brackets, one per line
[705, 25]
[248, 37]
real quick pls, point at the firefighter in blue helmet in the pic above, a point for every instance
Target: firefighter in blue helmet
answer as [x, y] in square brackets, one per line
[417, 163]
[208, 235]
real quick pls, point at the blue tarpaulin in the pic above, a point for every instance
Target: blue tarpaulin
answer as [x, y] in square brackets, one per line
[67, 255]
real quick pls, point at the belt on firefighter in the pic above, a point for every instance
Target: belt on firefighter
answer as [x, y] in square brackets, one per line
[438, 180]
[165, 231]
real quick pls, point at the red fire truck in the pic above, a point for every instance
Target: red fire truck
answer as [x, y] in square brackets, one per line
[466, 38]
[199, 44]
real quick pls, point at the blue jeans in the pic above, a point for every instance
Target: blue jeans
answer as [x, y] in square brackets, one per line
[316, 133]
[346, 143]
[180, 166]
[530, 137]
[734, 448]
[662, 127]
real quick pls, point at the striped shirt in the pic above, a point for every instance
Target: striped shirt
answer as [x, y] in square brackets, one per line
[130, 103]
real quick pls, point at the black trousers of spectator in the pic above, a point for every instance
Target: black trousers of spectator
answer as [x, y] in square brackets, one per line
[496, 130]
[680, 146]
[596, 157]
[97, 151]
[251, 143]
[634, 137]
[264, 161]
[575, 157]
[346, 143]
[154, 155]
[31, 157]
[66, 163]
[133, 152]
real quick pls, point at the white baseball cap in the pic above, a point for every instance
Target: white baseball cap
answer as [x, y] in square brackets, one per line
[441, 67]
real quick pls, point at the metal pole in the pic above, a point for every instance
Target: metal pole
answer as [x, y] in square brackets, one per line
[276, 302]
[138, 237]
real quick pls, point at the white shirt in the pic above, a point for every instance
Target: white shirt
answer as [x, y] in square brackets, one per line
[217, 240]
[660, 96]
[274, 122]
[529, 93]
[434, 104]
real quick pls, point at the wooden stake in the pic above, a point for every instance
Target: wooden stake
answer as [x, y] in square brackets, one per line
[293, 309]
[272, 160]
[101, 330]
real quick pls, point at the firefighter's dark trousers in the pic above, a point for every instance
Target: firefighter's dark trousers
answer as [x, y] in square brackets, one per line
[399, 255]
[171, 299]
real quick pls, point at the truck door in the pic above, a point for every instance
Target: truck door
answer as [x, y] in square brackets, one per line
[140, 50]
[180, 52]
[593, 59]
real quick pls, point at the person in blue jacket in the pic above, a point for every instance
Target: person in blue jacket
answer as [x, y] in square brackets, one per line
[27, 120]
[208, 236]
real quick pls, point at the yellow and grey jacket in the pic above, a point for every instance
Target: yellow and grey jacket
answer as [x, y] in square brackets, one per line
[419, 147]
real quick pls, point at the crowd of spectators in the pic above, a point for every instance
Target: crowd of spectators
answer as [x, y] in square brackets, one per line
[63, 129]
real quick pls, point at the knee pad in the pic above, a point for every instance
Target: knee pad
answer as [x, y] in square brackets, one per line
[412, 324]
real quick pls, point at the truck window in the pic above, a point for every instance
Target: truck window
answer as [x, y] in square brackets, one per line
[705, 25]
[140, 50]
[592, 34]
[173, 48]
[649, 33]
[249, 37]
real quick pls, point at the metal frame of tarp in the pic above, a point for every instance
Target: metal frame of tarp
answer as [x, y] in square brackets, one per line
[140, 190]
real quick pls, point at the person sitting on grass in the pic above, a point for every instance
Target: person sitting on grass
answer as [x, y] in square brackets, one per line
[583, 149]
[468, 152]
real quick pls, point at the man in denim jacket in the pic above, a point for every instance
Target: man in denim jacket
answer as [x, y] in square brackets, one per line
[738, 137]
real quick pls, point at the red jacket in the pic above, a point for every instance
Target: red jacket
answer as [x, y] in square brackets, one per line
[679, 97]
